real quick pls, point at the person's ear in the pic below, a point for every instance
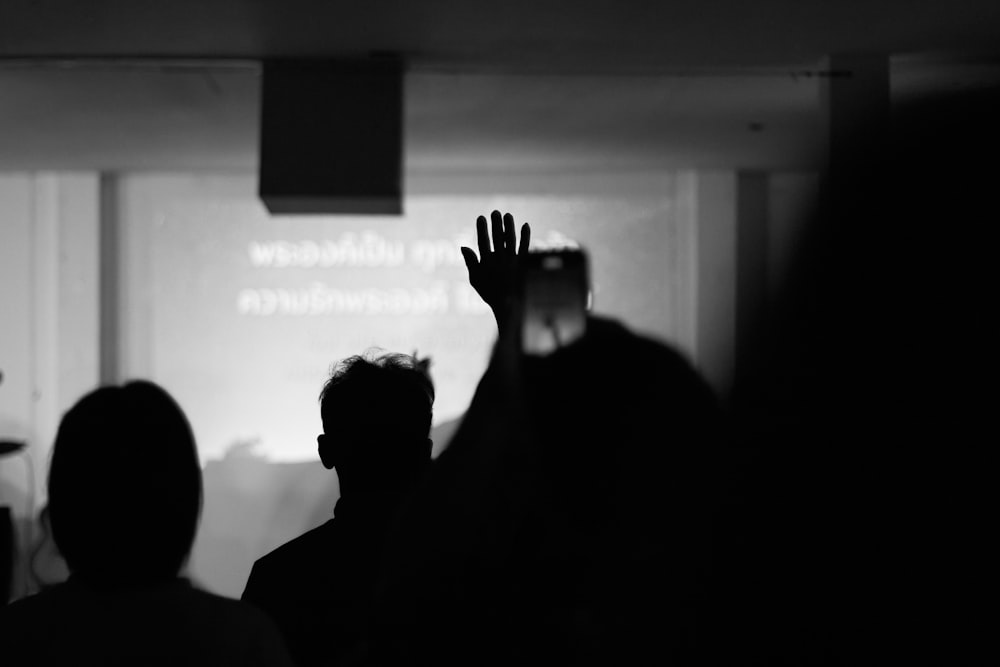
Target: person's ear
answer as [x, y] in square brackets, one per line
[326, 454]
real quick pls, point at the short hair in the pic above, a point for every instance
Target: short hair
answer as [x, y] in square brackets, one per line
[392, 392]
[125, 487]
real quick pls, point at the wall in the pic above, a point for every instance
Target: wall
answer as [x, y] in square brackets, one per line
[49, 297]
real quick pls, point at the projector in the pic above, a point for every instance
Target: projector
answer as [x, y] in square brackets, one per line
[331, 136]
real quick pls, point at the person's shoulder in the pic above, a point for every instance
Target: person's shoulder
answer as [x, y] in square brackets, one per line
[219, 607]
[24, 612]
[298, 558]
[24, 626]
[306, 546]
[38, 600]
[64, 598]
[229, 617]
[240, 633]
[74, 622]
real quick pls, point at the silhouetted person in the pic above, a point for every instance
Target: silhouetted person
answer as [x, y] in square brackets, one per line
[376, 413]
[567, 522]
[860, 536]
[124, 500]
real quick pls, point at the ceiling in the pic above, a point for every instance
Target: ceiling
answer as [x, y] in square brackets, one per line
[135, 84]
[207, 119]
[582, 35]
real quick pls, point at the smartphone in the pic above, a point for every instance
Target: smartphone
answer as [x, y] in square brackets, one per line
[555, 292]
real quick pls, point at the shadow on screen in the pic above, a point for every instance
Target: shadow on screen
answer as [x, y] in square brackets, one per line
[253, 505]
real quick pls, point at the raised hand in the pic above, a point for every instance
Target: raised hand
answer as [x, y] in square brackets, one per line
[494, 274]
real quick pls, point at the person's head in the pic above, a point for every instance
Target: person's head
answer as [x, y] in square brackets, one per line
[125, 486]
[376, 411]
[615, 398]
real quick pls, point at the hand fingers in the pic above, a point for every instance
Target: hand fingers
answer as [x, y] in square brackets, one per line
[482, 237]
[497, 231]
[471, 263]
[508, 233]
[522, 249]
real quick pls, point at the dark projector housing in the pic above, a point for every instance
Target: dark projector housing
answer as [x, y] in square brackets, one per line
[332, 136]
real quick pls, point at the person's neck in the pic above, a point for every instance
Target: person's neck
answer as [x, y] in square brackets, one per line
[372, 497]
[373, 507]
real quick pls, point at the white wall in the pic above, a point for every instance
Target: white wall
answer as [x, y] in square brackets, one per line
[49, 297]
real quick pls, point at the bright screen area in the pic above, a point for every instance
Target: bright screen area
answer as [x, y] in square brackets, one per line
[240, 315]
[246, 312]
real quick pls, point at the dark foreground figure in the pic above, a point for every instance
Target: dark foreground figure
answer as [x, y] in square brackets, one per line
[567, 521]
[574, 518]
[124, 500]
[318, 588]
[859, 532]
